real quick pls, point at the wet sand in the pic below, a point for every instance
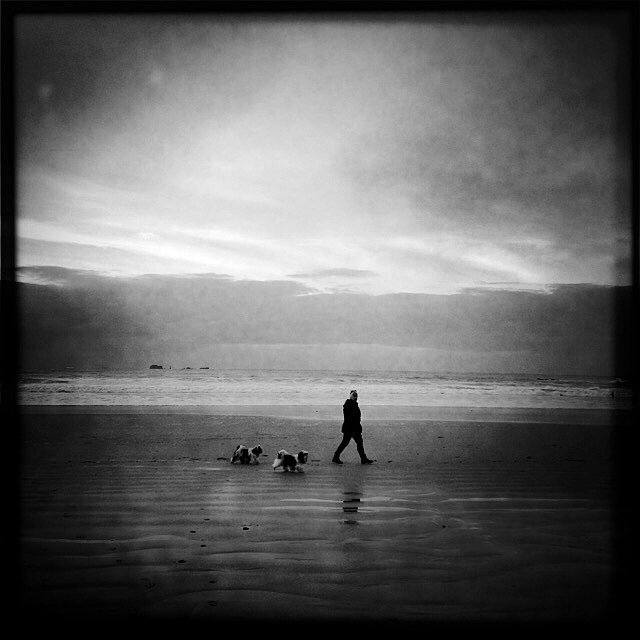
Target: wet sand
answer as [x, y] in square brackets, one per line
[138, 512]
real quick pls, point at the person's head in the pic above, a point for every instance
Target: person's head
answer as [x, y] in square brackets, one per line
[353, 394]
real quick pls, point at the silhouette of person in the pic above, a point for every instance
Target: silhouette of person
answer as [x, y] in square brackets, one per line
[351, 428]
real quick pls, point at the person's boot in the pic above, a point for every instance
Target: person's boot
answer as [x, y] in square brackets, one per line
[366, 461]
[336, 460]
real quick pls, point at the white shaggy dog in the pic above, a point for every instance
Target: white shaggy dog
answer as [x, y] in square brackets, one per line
[289, 462]
[244, 455]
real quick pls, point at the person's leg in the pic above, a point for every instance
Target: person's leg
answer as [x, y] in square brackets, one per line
[360, 446]
[346, 438]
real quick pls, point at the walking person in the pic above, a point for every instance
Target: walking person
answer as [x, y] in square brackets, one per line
[351, 428]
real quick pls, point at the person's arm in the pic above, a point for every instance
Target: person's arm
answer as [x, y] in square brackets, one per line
[345, 412]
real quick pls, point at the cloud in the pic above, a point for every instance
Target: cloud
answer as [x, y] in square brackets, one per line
[522, 138]
[57, 276]
[337, 273]
[414, 155]
[105, 260]
[158, 247]
[88, 318]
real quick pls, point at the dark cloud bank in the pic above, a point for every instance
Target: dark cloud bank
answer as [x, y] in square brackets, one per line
[84, 320]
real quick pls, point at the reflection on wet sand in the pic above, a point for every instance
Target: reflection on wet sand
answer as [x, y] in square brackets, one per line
[350, 504]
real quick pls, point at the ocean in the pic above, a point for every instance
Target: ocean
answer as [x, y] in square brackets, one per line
[207, 387]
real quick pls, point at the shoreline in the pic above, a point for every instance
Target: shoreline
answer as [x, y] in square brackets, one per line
[605, 417]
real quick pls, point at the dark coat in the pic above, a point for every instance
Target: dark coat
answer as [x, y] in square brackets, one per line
[351, 412]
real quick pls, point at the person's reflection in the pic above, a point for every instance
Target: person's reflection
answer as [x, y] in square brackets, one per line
[350, 505]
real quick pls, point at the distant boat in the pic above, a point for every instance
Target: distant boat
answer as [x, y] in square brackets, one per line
[204, 367]
[155, 366]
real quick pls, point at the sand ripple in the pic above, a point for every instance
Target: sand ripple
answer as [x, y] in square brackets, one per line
[486, 525]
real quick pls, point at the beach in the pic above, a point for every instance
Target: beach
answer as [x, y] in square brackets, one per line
[467, 515]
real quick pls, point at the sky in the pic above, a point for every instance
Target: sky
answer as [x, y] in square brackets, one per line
[418, 155]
